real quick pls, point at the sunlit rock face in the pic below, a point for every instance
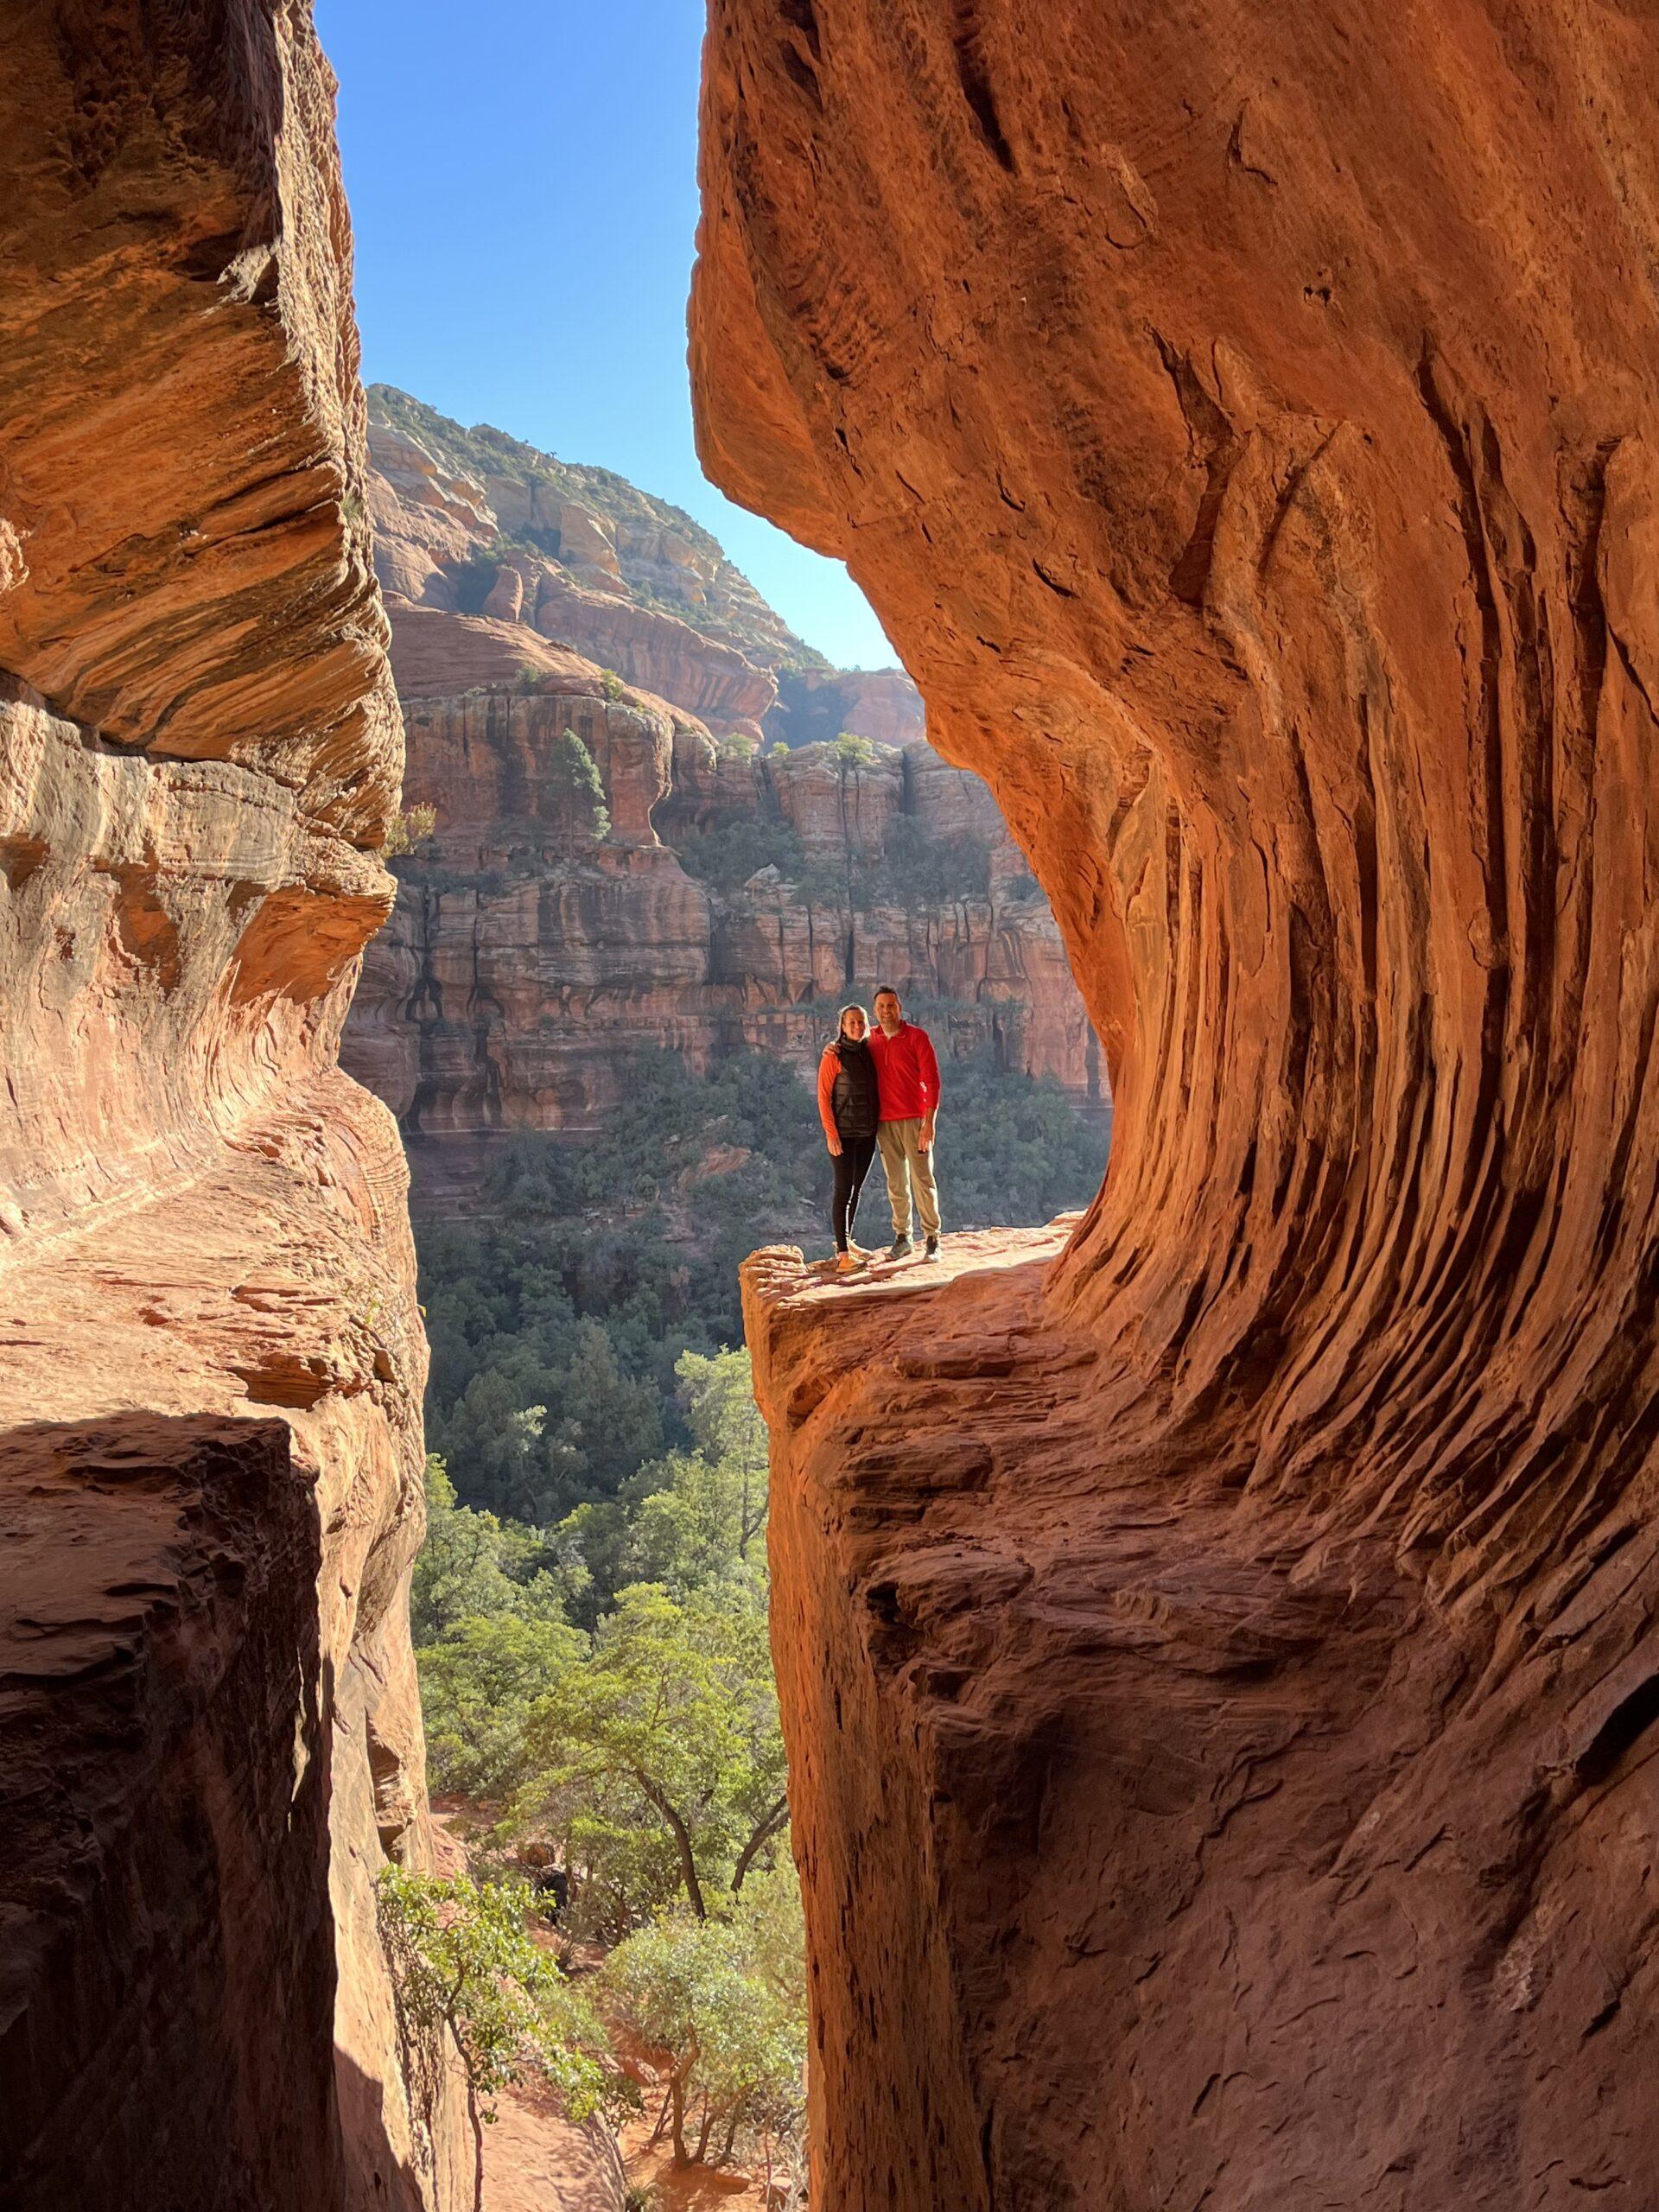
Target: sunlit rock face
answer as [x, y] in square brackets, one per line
[538, 947]
[211, 1360]
[473, 521]
[1217, 1650]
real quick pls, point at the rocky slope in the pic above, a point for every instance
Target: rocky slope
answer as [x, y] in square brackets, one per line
[1230, 1774]
[473, 522]
[727, 897]
[210, 1361]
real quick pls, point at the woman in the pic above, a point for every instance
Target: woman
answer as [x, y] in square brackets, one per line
[848, 1109]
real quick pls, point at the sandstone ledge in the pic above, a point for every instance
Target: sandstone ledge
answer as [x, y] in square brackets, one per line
[1119, 1791]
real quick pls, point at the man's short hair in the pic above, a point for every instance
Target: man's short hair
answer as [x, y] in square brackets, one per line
[884, 991]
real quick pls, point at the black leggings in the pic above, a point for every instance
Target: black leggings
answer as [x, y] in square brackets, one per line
[851, 1165]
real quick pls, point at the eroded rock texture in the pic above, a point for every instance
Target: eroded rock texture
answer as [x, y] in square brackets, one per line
[210, 1356]
[1233, 1781]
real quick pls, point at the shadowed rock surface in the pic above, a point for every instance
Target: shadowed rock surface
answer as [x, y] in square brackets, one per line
[161, 1651]
[1232, 1780]
[211, 1360]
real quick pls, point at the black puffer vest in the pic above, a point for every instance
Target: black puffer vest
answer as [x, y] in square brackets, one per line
[853, 1102]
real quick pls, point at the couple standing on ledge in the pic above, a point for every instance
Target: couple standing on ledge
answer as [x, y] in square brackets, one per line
[880, 1088]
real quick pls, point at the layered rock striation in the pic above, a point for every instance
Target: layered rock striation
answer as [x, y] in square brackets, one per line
[1231, 1776]
[474, 521]
[211, 1360]
[715, 899]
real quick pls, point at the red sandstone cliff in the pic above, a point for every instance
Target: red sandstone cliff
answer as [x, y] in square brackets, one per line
[210, 1361]
[473, 522]
[529, 959]
[1218, 1656]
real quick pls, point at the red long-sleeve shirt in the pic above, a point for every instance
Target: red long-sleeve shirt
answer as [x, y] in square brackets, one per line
[906, 1073]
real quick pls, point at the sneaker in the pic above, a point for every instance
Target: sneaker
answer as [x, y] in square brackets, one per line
[900, 1248]
[933, 1249]
[849, 1263]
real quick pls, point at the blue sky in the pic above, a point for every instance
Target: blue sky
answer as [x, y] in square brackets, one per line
[523, 182]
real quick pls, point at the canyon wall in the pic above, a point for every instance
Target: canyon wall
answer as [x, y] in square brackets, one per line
[211, 1359]
[1216, 1638]
[474, 521]
[723, 897]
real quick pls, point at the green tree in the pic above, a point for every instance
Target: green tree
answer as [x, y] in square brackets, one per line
[718, 1390]
[662, 1749]
[686, 1531]
[852, 751]
[479, 1684]
[462, 1961]
[730, 2029]
[574, 779]
[612, 1423]
[473, 1564]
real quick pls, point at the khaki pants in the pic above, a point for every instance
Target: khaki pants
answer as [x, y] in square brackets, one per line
[909, 1168]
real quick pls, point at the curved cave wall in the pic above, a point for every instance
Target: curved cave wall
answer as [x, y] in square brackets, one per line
[211, 1359]
[1217, 1647]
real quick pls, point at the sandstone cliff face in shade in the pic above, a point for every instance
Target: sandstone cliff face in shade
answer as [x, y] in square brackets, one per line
[1217, 1647]
[529, 958]
[211, 1360]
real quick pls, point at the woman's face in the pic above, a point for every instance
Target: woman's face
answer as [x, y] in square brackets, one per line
[853, 1025]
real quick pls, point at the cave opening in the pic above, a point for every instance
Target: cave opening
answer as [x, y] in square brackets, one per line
[1220, 1609]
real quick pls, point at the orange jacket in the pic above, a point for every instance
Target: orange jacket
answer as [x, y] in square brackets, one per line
[828, 1069]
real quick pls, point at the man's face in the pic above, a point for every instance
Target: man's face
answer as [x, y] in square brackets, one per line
[888, 1011]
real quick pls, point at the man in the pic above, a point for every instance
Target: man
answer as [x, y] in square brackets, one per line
[907, 1093]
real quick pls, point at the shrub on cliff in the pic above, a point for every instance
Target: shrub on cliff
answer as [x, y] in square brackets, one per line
[473, 578]
[728, 854]
[578, 789]
[408, 830]
[464, 1966]
[917, 870]
[854, 751]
